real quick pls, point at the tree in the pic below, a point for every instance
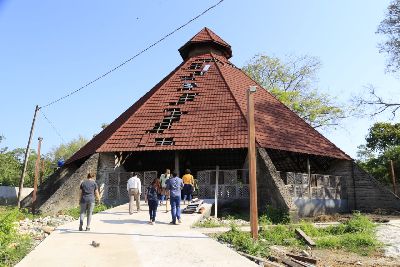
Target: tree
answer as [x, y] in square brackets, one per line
[382, 145]
[293, 82]
[377, 103]
[390, 27]
[65, 151]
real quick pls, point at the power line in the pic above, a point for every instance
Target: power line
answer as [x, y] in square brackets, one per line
[130, 59]
[54, 128]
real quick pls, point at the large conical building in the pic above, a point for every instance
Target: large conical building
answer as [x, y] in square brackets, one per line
[196, 118]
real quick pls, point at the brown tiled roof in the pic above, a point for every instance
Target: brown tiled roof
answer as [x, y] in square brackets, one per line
[213, 118]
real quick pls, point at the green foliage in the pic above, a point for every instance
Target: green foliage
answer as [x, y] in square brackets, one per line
[281, 235]
[243, 242]
[390, 28]
[356, 235]
[13, 246]
[75, 212]
[208, 223]
[293, 82]
[274, 216]
[65, 151]
[382, 145]
[383, 135]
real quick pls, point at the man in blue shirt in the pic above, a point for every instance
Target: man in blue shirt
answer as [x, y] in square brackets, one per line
[175, 185]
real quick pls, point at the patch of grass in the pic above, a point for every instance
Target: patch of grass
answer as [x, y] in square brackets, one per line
[75, 212]
[243, 242]
[274, 216]
[13, 246]
[208, 223]
[281, 235]
[356, 235]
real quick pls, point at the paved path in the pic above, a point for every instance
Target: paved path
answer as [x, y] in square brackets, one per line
[127, 240]
[389, 234]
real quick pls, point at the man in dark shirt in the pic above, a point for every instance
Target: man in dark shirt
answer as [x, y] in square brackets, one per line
[175, 185]
[89, 191]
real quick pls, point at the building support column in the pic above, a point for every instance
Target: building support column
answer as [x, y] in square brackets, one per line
[176, 168]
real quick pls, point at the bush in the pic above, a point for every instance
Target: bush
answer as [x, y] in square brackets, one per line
[280, 235]
[274, 216]
[242, 241]
[13, 246]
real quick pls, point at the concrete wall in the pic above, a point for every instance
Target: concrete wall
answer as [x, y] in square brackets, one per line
[369, 194]
[67, 195]
[271, 188]
[9, 194]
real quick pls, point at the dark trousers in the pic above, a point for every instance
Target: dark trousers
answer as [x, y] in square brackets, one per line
[175, 208]
[153, 204]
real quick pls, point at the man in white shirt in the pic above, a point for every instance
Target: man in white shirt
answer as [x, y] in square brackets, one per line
[134, 187]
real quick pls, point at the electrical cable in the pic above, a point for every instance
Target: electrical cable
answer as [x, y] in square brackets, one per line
[52, 126]
[130, 59]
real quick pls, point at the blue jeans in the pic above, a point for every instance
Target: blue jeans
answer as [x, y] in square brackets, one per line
[153, 204]
[175, 208]
[86, 207]
[187, 192]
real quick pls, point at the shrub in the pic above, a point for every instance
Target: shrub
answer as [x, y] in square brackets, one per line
[274, 216]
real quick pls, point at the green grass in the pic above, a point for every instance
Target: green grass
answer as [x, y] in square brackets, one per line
[274, 216]
[13, 246]
[356, 235]
[75, 212]
[208, 223]
[242, 241]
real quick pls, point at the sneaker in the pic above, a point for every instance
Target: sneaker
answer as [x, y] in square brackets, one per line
[179, 221]
[80, 228]
[172, 223]
[88, 229]
[150, 222]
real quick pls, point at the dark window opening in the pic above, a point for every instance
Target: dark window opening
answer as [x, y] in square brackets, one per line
[164, 141]
[186, 97]
[188, 86]
[195, 66]
[188, 78]
[173, 116]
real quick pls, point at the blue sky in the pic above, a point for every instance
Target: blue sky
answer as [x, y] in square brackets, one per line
[49, 48]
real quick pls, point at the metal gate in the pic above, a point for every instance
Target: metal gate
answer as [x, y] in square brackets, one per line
[232, 184]
[115, 185]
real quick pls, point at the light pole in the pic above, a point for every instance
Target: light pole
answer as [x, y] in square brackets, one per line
[252, 162]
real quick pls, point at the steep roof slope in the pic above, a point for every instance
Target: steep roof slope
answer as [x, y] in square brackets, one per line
[202, 104]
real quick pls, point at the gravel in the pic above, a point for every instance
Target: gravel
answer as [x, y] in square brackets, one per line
[389, 234]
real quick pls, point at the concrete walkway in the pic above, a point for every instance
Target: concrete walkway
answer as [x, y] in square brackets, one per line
[128, 240]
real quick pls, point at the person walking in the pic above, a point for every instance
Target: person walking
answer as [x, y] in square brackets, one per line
[175, 185]
[188, 185]
[163, 178]
[151, 197]
[89, 191]
[134, 187]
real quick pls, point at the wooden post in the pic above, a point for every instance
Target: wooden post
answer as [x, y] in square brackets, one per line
[37, 170]
[216, 192]
[393, 177]
[252, 163]
[27, 152]
[309, 177]
[41, 173]
[177, 162]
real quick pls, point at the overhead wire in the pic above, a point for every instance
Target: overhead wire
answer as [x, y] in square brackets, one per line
[130, 59]
[52, 126]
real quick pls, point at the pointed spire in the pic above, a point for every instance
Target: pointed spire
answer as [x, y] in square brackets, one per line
[203, 42]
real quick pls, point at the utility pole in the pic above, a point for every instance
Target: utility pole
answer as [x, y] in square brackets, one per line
[37, 173]
[252, 163]
[393, 177]
[27, 152]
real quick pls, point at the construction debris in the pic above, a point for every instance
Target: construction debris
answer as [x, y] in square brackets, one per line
[193, 206]
[306, 238]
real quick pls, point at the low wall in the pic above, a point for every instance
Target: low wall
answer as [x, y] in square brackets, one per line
[9, 194]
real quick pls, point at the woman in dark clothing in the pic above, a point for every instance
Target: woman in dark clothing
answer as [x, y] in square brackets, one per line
[89, 191]
[151, 197]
